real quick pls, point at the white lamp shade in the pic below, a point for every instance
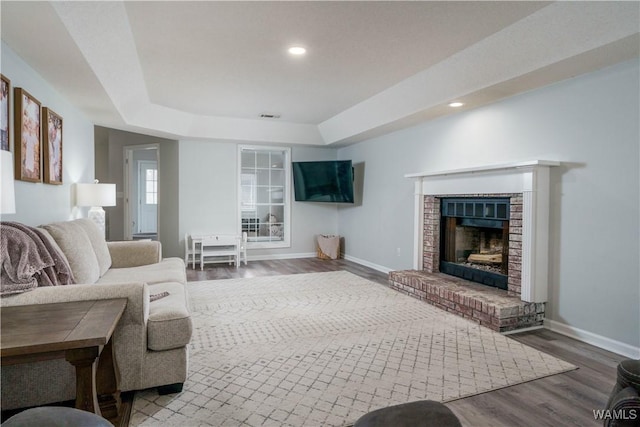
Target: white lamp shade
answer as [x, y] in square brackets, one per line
[95, 194]
[7, 191]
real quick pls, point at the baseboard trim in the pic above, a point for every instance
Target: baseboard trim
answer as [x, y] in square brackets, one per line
[271, 257]
[593, 339]
[377, 267]
[517, 331]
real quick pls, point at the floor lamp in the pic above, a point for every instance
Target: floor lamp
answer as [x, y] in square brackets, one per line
[96, 196]
[7, 195]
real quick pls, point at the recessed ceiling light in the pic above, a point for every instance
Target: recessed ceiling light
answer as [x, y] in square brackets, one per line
[297, 50]
[456, 104]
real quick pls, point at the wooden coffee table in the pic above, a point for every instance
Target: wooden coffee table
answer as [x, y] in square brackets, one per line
[80, 332]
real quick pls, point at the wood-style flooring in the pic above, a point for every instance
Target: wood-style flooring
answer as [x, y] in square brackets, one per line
[567, 399]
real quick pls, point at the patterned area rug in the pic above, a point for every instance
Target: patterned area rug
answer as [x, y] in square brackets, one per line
[322, 349]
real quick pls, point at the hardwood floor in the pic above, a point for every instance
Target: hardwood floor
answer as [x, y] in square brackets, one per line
[559, 400]
[285, 266]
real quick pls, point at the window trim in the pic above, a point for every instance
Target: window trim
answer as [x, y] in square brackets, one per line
[286, 242]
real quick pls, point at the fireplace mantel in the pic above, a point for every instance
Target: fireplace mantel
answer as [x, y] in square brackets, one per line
[486, 168]
[529, 178]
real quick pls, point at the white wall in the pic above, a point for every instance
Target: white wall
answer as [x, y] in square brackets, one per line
[209, 197]
[207, 187]
[39, 203]
[590, 123]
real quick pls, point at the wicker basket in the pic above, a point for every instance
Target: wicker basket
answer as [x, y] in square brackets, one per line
[331, 246]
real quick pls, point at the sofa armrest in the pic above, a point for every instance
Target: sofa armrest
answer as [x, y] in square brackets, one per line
[137, 294]
[130, 335]
[134, 253]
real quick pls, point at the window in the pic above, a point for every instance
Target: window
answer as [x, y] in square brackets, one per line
[151, 187]
[264, 196]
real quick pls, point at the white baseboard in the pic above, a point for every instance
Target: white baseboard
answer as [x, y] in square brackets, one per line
[377, 267]
[593, 339]
[517, 331]
[270, 257]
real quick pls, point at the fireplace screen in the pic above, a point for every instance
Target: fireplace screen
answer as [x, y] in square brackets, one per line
[475, 240]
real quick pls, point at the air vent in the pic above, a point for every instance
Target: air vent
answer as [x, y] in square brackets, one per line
[269, 116]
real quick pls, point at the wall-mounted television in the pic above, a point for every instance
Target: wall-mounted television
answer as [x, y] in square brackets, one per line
[323, 181]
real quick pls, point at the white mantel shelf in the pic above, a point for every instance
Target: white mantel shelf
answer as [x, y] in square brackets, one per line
[486, 168]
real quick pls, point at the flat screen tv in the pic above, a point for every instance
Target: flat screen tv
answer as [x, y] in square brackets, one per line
[325, 181]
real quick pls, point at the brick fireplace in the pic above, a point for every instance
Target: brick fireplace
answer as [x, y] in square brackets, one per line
[432, 232]
[526, 187]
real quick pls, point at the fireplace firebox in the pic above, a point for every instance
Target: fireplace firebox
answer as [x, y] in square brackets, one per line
[475, 239]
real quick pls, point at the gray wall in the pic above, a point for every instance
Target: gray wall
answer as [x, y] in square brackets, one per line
[168, 196]
[209, 197]
[109, 166]
[590, 123]
[39, 203]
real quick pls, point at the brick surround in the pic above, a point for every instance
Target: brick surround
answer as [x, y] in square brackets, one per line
[494, 308]
[431, 238]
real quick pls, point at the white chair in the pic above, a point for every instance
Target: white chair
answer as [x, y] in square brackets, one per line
[242, 249]
[213, 247]
[190, 255]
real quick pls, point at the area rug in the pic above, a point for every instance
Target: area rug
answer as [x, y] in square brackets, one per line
[322, 349]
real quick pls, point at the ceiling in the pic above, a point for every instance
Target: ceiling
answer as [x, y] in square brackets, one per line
[209, 69]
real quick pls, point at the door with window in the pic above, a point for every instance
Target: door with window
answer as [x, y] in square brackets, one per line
[141, 198]
[148, 197]
[265, 196]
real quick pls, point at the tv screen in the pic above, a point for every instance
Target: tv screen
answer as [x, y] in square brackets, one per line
[326, 181]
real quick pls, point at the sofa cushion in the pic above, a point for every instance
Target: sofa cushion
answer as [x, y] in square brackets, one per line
[134, 253]
[76, 246]
[169, 324]
[98, 242]
[167, 270]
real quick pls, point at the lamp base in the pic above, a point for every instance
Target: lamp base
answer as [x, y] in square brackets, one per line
[97, 215]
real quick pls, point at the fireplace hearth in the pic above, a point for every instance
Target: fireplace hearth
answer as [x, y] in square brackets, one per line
[475, 239]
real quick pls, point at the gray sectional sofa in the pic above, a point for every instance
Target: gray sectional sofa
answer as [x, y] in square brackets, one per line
[151, 339]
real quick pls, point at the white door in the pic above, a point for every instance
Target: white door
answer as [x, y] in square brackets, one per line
[147, 197]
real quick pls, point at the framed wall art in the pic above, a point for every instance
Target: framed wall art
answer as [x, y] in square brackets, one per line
[27, 141]
[52, 146]
[5, 102]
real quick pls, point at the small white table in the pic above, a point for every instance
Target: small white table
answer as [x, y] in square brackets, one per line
[215, 245]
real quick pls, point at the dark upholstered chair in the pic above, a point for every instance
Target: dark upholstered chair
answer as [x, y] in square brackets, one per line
[56, 416]
[423, 413]
[624, 401]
